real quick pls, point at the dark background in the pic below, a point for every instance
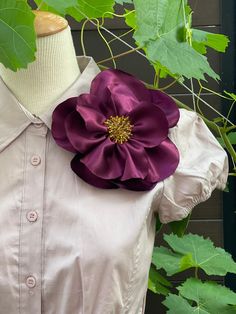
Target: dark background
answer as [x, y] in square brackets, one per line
[215, 218]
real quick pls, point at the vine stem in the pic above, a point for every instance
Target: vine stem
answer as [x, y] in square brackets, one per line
[119, 55]
[157, 78]
[208, 105]
[120, 36]
[169, 85]
[82, 37]
[230, 128]
[213, 92]
[230, 110]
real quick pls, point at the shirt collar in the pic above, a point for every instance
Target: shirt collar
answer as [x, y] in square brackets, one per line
[14, 118]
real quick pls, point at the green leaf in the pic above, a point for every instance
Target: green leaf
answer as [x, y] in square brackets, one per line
[130, 19]
[209, 297]
[202, 39]
[17, 35]
[179, 227]
[166, 259]
[162, 71]
[157, 288]
[161, 30]
[178, 305]
[157, 283]
[202, 254]
[204, 298]
[154, 274]
[232, 138]
[91, 9]
[79, 9]
[59, 6]
[45, 7]
[156, 18]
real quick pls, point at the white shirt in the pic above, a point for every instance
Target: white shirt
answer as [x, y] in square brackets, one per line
[70, 248]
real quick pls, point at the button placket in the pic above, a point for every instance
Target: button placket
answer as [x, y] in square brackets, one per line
[32, 209]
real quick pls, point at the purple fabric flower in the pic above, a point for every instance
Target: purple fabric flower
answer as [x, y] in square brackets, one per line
[119, 132]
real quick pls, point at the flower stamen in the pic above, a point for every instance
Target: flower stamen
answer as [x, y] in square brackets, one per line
[119, 128]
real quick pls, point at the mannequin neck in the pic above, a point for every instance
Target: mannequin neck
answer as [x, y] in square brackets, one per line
[54, 70]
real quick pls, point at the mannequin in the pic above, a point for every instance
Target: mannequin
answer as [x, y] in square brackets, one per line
[54, 69]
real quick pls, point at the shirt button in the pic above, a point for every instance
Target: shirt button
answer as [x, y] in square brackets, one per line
[31, 282]
[35, 160]
[32, 216]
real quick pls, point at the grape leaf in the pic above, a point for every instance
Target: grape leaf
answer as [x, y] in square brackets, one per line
[178, 305]
[164, 258]
[206, 298]
[161, 29]
[201, 253]
[91, 9]
[46, 7]
[17, 34]
[130, 19]
[157, 283]
[210, 297]
[232, 138]
[79, 9]
[179, 227]
[59, 6]
[202, 40]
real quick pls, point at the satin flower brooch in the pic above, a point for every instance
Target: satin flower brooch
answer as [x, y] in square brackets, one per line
[118, 132]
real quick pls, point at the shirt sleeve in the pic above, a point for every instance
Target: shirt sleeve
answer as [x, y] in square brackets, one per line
[203, 167]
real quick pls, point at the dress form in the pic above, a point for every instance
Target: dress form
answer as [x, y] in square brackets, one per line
[54, 69]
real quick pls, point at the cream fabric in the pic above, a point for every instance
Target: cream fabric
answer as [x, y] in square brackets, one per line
[70, 248]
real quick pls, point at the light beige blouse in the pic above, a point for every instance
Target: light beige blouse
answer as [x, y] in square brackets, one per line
[69, 248]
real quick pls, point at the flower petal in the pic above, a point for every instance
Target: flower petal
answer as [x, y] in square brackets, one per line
[120, 85]
[84, 173]
[163, 161]
[59, 116]
[167, 104]
[135, 161]
[103, 107]
[150, 125]
[105, 161]
[86, 134]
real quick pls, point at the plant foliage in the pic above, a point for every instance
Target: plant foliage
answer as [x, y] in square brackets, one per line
[17, 35]
[200, 297]
[192, 251]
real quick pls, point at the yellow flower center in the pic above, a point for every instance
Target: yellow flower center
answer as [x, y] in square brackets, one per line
[119, 128]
